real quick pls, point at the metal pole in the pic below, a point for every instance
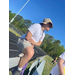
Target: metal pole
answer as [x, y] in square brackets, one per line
[18, 12]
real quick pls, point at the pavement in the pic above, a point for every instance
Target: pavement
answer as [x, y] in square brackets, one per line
[13, 47]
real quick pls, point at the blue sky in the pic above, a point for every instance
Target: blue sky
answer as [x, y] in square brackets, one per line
[37, 10]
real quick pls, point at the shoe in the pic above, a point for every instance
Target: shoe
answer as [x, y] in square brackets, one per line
[17, 72]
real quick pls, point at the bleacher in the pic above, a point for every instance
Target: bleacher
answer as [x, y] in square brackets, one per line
[38, 65]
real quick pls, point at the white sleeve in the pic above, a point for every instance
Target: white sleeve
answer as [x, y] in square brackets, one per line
[62, 56]
[33, 29]
[42, 37]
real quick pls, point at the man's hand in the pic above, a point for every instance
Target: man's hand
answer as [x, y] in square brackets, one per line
[28, 38]
[32, 46]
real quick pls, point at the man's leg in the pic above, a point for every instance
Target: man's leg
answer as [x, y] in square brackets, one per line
[28, 53]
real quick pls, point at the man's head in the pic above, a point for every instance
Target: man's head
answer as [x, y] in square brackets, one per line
[47, 24]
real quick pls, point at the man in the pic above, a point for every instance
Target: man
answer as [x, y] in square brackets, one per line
[26, 42]
[60, 66]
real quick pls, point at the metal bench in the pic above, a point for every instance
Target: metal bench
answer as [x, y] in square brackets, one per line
[34, 64]
[13, 62]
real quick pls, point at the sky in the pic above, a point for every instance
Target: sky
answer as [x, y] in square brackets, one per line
[37, 10]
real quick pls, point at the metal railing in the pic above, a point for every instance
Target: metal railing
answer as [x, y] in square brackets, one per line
[40, 68]
[35, 64]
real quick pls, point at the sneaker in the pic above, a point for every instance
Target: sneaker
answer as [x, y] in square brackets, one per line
[17, 72]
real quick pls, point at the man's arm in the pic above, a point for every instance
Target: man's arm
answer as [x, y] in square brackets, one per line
[39, 43]
[28, 38]
[60, 66]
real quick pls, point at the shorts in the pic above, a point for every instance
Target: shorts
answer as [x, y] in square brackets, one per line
[22, 44]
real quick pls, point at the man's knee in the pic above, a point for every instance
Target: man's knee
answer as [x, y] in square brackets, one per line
[31, 53]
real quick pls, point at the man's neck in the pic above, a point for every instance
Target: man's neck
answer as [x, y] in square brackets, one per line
[42, 28]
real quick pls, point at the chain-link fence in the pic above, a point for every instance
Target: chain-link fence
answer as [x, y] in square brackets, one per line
[15, 29]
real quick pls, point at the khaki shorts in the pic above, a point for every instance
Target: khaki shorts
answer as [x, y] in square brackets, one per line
[22, 44]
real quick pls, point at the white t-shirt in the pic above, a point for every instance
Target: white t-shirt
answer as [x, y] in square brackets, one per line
[55, 70]
[37, 33]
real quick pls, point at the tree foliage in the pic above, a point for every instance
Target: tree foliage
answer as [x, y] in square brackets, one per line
[50, 45]
[19, 22]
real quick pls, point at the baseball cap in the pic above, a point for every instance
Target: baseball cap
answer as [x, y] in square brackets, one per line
[46, 21]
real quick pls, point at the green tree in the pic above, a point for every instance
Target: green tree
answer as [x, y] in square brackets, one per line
[19, 22]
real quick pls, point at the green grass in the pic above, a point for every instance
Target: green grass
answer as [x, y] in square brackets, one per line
[14, 32]
[48, 66]
[10, 73]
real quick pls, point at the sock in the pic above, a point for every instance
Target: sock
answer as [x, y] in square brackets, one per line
[19, 69]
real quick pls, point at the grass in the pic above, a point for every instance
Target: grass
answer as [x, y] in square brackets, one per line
[48, 66]
[10, 73]
[14, 32]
